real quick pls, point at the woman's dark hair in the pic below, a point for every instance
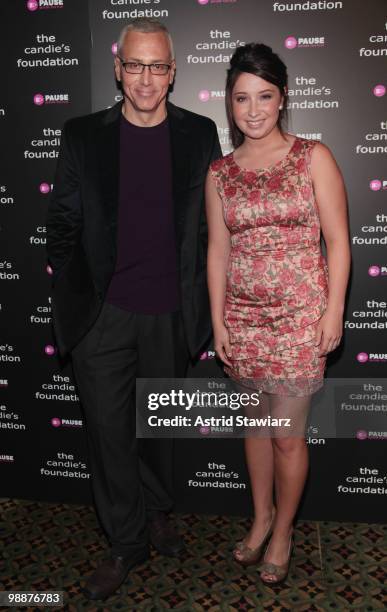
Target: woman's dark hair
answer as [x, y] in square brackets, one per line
[260, 60]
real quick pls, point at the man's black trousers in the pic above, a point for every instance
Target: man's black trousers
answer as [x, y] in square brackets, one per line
[131, 478]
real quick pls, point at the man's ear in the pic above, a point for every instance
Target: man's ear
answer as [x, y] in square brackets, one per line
[117, 68]
[172, 72]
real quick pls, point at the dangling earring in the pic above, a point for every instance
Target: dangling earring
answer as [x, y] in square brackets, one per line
[280, 107]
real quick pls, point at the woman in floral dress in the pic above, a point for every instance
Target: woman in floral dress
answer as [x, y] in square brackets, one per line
[277, 305]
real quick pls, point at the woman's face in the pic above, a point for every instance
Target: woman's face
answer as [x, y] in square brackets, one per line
[255, 105]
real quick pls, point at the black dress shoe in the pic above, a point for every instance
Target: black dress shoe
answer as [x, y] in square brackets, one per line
[109, 576]
[163, 536]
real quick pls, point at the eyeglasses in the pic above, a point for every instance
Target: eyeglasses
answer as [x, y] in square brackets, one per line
[138, 68]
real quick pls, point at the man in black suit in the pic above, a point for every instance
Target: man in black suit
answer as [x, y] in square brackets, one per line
[127, 237]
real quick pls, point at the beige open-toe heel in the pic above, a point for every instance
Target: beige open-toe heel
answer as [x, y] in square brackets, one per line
[245, 555]
[280, 572]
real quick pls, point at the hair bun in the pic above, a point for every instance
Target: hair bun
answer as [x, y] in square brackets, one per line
[237, 55]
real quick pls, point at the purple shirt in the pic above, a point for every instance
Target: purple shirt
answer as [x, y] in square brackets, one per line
[145, 279]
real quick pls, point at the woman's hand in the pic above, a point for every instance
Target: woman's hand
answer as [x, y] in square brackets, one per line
[222, 343]
[329, 332]
[331, 201]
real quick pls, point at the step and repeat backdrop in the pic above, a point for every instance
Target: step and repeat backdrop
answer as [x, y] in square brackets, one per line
[57, 62]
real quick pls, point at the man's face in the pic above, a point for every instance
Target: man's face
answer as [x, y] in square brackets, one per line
[146, 93]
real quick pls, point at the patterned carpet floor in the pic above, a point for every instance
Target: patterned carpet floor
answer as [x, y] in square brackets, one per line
[335, 566]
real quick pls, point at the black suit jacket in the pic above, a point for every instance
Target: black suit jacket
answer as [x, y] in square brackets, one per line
[82, 220]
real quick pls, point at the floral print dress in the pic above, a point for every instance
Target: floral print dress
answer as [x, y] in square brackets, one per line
[277, 281]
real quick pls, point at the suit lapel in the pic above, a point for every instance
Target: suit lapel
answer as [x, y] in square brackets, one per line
[181, 160]
[108, 151]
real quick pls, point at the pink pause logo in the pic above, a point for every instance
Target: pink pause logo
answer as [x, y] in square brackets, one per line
[49, 350]
[32, 5]
[49, 270]
[362, 434]
[38, 99]
[55, 422]
[207, 355]
[362, 357]
[204, 95]
[204, 430]
[44, 188]
[374, 271]
[291, 42]
[114, 48]
[375, 185]
[379, 91]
